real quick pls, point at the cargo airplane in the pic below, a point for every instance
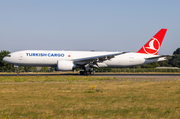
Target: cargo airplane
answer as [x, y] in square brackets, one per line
[89, 60]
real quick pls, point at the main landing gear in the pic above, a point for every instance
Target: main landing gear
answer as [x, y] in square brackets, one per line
[86, 72]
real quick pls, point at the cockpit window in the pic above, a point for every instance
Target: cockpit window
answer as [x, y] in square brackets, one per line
[8, 56]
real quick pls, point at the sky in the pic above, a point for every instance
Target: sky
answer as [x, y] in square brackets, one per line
[83, 25]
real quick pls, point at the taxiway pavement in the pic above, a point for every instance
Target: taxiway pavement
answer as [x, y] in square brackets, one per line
[98, 74]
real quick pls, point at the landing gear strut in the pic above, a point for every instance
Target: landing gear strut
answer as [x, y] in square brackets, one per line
[17, 68]
[87, 70]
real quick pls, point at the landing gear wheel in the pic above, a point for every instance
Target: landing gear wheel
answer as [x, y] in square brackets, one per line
[82, 72]
[91, 72]
[86, 72]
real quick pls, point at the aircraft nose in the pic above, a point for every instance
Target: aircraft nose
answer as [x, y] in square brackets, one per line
[4, 59]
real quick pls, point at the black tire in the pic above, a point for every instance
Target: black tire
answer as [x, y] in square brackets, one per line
[81, 72]
[88, 73]
[91, 72]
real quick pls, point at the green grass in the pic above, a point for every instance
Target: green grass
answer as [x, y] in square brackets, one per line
[52, 78]
[88, 97]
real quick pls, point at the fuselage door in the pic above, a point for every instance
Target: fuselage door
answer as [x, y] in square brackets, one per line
[20, 56]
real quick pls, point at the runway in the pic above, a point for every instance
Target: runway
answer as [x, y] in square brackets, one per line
[98, 74]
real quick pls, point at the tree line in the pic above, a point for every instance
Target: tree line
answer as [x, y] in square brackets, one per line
[173, 61]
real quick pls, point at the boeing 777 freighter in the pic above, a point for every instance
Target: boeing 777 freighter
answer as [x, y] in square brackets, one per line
[88, 60]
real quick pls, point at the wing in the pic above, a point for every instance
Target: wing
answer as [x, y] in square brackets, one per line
[96, 59]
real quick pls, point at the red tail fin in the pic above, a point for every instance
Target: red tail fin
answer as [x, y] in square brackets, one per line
[153, 45]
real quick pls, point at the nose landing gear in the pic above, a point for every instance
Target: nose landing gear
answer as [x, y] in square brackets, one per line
[17, 68]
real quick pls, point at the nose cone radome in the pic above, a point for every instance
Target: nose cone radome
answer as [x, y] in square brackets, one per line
[5, 59]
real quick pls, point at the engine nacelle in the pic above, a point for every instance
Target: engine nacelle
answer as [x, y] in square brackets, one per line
[64, 65]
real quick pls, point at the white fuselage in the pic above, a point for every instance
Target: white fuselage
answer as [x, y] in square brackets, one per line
[50, 58]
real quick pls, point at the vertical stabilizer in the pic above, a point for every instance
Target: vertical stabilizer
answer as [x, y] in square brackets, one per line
[154, 44]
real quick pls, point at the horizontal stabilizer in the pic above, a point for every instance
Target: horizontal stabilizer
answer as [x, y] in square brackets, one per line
[159, 56]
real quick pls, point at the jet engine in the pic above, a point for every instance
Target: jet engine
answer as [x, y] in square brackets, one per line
[64, 65]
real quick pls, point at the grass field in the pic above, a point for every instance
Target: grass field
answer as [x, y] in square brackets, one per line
[89, 97]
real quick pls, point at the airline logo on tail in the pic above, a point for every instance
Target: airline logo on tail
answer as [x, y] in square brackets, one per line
[153, 45]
